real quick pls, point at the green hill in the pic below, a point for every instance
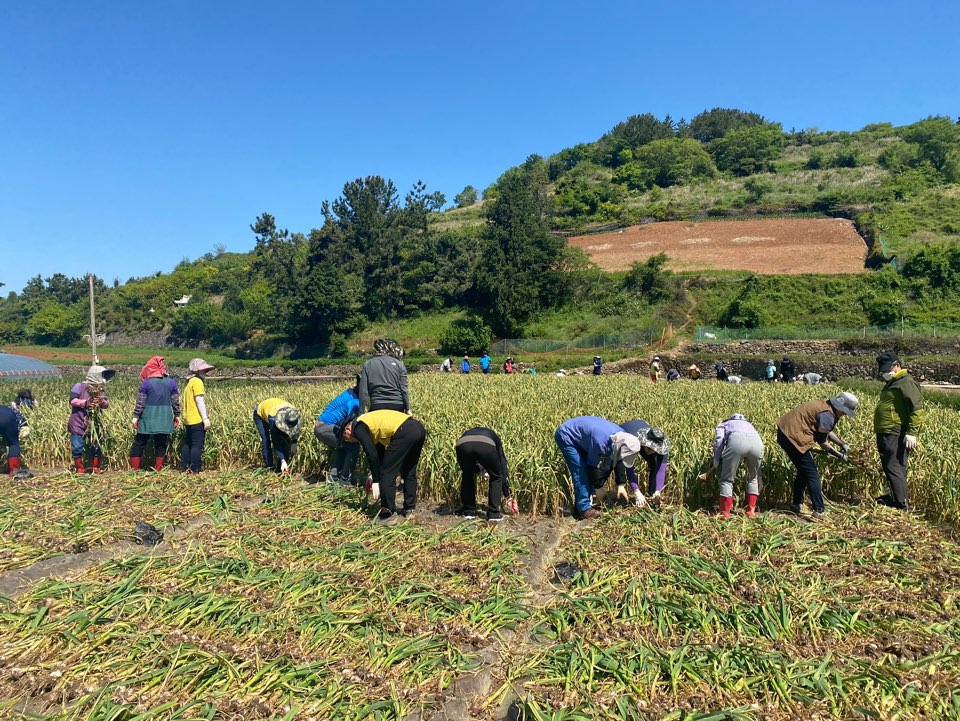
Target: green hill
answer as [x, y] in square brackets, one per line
[381, 264]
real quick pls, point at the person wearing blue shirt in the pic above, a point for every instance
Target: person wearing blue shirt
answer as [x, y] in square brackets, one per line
[329, 431]
[593, 447]
[465, 364]
[485, 362]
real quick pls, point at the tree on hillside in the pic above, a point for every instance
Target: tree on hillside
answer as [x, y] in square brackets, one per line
[664, 163]
[518, 273]
[717, 122]
[748, 150]
[938, 143]
[648, 279]
[467, 196]
[634, 132]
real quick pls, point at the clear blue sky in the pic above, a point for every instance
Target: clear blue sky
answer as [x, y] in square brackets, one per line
[135, 134]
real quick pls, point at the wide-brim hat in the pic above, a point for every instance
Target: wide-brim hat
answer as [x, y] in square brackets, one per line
[288, 421]
[656, 440]
[846, 403]
[199, 365]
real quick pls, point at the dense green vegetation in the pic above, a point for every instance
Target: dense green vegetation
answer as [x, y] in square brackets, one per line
[377, 261]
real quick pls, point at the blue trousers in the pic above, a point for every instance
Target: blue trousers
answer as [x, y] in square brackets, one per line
[579, 471]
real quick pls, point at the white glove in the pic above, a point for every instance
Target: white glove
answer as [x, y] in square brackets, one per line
[375, 491]
[638, 500]
[844, 448]
[622, 494]
[284, 467]
[206, 424]
[909, 442]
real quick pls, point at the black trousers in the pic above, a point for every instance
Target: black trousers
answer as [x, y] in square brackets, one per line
[471, 455]
[807, 478]
[893, 459]
[191, 454]
[160, 441]
[399, 458]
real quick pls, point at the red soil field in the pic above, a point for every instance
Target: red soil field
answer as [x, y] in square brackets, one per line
[786, 246]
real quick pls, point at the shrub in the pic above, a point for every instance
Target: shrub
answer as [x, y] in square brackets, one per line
[470, 336]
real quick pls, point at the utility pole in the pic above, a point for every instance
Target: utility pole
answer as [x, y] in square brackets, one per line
[93, 323]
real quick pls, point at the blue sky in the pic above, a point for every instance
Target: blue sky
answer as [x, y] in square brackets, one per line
[134, 134]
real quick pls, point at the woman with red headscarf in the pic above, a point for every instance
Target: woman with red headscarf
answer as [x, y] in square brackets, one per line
[156, 413]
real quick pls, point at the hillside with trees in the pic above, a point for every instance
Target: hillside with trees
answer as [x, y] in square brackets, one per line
[497, 262]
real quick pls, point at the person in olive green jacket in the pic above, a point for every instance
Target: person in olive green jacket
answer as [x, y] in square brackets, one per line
[896, 420]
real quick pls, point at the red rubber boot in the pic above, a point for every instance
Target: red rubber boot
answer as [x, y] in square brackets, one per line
[158, 464]
[96, 465]
[78, 465]
[751, 504]
[14, 465]
[135, 462]
[726, 504]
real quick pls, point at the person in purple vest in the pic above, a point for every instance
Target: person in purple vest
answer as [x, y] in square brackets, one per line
[656, 452]
[593, 447]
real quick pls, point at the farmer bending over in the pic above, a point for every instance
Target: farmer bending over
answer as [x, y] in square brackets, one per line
[656, 452]
[329, 431]
[278, 424]
[13, 429]
[480, 450]
[736, 440]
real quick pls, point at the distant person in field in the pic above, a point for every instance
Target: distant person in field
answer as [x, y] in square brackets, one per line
[656, 369]
[808, 424]
[383, 380]
[693, 372]
[85, 426]
[156, 413]
[447, 364]
[480, 450]
[508, 365]
[278, 424]
[25, 400]
[896, 421]
[592, 448]
[597, 365]
[721, 371]
[770, 372]
[810, 379]
[673, 375]
[485, 363]
[736, 440]
[787, 369]
[392, 442]
[465, 365]
[656, 453]
[329, 430]
[13, 429]
[196, 420]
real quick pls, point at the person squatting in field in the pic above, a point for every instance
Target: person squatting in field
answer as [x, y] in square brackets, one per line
[736, 440]
[798, 430]
[392, 442]
[592, 447]
[481, 450]
[383, 379]
[13, 429]
[656, 452]
[278, 424]
[896, 421]
[329, 431]
[156, 413]
[196, 421]
[87, 398]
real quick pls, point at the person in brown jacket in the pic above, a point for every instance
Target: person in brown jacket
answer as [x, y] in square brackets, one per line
[808, 424]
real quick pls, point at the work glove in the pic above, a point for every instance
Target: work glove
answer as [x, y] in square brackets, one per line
[176, 422]
[638, 500]
[284, 467]
[622, 494]
[843, 457]
[511, 505]
[844, 448]
[375, 491]
[135, 422]
[909, 442]
[206, 424]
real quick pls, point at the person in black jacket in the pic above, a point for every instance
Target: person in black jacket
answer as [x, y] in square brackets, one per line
[721, 371]
[480, 450]
[383, 380]
[787, 370]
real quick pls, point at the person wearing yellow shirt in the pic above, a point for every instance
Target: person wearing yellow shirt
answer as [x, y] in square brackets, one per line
[278, 424]
[196, 422]
[392, 442]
